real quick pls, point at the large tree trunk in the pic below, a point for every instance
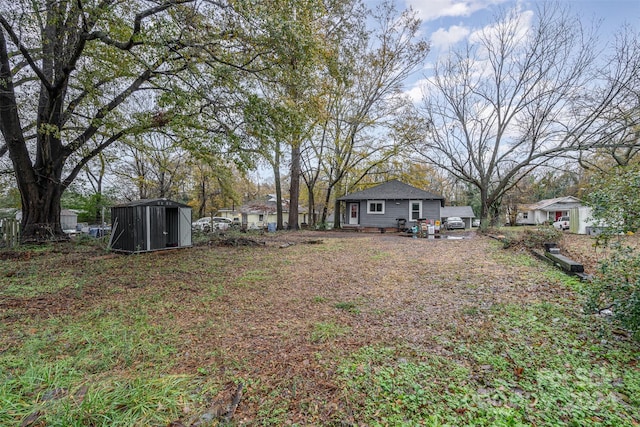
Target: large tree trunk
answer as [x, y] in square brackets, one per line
[294, 190]
[495, 214]
[41, 213]
[484, 209]
[325, 208]
[336, 215]
[41, 189]
[311, 221]
[39, 183]
[278, 184]
[202, 207]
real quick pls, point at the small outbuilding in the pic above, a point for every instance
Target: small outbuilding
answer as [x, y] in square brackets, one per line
[150, 225]
[464, 212]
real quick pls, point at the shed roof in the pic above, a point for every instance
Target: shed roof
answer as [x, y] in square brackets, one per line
[461, 211]
[152, 202]
[393, 190]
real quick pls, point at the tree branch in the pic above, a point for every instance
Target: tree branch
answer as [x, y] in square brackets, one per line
[76, 101]
[102, 112]
[25, 52]
[137, 26]
[85, 159]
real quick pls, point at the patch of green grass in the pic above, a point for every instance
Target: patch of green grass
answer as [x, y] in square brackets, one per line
[394, 386]
[252, 277]
[97, 342]
[215, 291]
[515, 259]
[380, 256]
[102, 369]
[326, 331]
[538, 365]
[571, 282]
[29, 286]
[140, 400]
[349, 306]
[470, 311]
[273, 410]
[319, 299]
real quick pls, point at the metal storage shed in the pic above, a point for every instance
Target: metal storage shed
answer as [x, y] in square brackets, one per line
[150, 225]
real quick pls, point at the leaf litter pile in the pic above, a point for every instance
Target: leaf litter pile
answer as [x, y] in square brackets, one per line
[308, 328]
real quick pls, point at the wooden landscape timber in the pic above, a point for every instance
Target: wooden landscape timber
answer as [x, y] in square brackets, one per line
[569, 266]
[565, 263]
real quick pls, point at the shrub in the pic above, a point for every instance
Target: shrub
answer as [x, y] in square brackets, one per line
[617, 286]
[615, 203]
[533, 238]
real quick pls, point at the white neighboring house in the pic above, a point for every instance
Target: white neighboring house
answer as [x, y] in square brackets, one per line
[548, 210]
[257, 214]
[580, 221]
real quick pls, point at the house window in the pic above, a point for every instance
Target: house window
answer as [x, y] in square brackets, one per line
[525, 215]
[261, 217]
[375, 207]
[415, 211]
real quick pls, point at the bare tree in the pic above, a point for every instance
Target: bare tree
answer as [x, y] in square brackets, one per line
[153, 164]
[519, 96]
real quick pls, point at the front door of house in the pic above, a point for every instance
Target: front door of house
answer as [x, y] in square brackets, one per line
[353, 213]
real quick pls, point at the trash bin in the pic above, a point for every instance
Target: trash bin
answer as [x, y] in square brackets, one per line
[271, 227]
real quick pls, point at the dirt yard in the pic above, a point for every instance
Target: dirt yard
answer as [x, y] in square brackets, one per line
[279, 315]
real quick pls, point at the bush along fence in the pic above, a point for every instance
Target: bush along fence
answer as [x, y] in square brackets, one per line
[10, 233]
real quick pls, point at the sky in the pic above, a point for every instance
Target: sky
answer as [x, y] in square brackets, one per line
[447, 22]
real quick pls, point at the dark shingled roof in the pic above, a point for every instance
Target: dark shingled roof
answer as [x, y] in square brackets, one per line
[392, 190]
[461, 211]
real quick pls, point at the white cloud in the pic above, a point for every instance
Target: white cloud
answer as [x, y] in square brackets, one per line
[416, 92]
[429, 10]
[442, 39]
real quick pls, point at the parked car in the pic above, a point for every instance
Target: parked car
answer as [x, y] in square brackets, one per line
[562, 223]
[208, 223]
[203, 224]
[454, 222]
[221, 223]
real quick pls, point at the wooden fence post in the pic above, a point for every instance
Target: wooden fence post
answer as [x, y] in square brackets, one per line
[10, 232]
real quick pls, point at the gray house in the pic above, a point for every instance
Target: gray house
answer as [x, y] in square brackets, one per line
[391, 205]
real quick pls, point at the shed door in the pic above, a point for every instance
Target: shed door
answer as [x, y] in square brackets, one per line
[157, 228]
[353, 213]
[184, 233]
